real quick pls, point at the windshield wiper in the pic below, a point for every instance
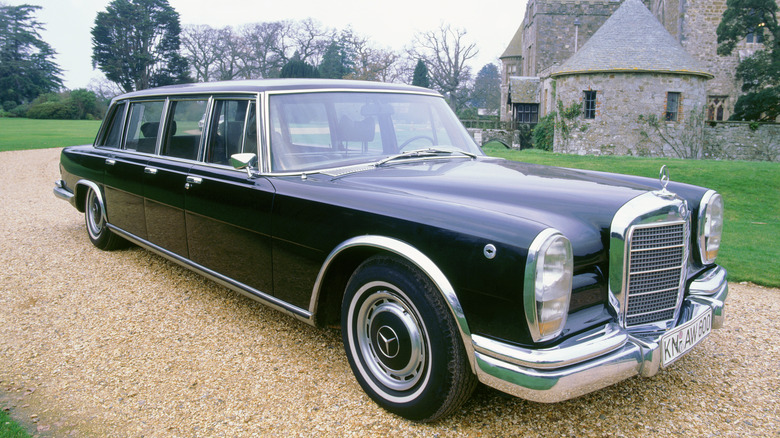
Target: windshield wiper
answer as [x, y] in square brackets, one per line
[427, 152]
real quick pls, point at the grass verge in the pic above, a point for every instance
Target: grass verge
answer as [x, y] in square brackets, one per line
[9, 428]
[750, 250]
[20, 134]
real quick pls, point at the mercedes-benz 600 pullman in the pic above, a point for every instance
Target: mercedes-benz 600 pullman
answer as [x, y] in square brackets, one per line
[368, 206]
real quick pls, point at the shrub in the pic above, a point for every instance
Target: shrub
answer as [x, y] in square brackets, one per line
[544, 132]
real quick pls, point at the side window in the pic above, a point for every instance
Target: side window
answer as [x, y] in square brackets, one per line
[233, 130]
[143, 126]
[113, 134]
[184, 128]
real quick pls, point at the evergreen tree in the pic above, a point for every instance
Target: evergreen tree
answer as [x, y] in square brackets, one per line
[420, 77]
[335, 64]
[759, 73]
[26, 66]
[487, 89]
[136, 44]
[296, 68]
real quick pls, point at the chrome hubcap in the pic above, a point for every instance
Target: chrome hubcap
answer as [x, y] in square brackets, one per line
[391, 339]
[94, 214]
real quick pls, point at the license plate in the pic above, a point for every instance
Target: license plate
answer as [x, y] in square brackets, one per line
[680, 340]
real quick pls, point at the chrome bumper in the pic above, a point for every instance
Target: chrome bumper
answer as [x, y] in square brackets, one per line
[61, 191]
[591, 360]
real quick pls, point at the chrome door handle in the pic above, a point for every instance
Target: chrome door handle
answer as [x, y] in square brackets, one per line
[150, 171]
[192, 180]
[110, 161]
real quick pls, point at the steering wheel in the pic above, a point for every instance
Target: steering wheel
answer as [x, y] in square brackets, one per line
[415, 138]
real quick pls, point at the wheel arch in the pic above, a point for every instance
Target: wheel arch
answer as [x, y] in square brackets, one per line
[81, 194]
[325, 305]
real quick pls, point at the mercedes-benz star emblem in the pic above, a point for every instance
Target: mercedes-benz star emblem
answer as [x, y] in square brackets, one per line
[387, 341]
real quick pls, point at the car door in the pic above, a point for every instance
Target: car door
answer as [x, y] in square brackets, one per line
[228, 213]
[124, 175]
[165, 175]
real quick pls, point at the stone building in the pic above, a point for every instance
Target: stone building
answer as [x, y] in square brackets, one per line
[552, 31]
[628, 72]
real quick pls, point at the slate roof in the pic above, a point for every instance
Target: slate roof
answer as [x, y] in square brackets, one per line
[524, 89]
[515, 47]
[632, 40]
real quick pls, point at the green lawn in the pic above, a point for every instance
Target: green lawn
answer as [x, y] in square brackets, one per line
[19, 134]
[750, 190]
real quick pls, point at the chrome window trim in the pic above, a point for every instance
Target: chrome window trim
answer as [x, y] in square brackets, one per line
[266, 98]
[648, 209]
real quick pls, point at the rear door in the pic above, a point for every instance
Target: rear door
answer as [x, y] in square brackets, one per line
[124, 177]
[165, 176]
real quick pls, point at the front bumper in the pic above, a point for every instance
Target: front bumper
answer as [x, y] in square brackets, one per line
[594, 359]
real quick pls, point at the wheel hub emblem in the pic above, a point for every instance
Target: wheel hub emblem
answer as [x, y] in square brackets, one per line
[387, 341]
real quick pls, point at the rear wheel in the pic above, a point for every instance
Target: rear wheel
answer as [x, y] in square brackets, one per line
[95, 218]
[402, 343]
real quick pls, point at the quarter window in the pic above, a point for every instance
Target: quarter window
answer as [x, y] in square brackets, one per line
[589, 104]
[672, 106]
[113, 134]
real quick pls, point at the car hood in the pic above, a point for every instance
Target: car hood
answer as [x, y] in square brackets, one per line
[581, 204]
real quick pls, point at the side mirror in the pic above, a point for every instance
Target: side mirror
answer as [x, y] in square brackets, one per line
[243, 161]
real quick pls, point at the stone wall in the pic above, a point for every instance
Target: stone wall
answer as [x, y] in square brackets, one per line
[742, 141]
[621, 98]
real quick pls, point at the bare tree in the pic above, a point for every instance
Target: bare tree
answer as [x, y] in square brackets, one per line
[445, 52]
[309, 40]
[263, 42]
[201, 48]
[372, 64]
[232, 60]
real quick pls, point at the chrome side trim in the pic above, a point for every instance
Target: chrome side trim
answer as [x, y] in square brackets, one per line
[228, 282]
[416, 257]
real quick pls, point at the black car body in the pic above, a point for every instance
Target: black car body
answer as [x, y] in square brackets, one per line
[367, 205]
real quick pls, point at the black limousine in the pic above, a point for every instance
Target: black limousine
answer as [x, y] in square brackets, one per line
[368, 206]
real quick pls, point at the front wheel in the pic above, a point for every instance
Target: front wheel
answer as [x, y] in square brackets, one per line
[402, 342]
[95, 219]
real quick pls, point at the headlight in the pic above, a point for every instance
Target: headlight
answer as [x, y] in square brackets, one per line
[548, 279]
[710, 226]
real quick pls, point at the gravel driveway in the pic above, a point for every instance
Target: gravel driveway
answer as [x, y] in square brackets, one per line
[125, 343]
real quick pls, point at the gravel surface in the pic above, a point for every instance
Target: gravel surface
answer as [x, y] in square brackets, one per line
[126, 343]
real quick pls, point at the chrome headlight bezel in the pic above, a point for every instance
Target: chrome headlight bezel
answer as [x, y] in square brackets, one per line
[710, 226]
[549, 271]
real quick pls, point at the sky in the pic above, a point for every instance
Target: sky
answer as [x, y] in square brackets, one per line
[390, 25]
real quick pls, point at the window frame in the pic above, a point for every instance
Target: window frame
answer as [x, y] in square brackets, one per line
[589, 103]
[673, 116]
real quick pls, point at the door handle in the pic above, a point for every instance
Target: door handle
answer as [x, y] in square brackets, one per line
[110, 161]
[192, 180]
[150, 171]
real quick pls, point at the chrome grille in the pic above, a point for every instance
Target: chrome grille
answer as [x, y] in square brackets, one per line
[656, 266]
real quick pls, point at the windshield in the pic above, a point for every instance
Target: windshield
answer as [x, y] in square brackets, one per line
[326, 130]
